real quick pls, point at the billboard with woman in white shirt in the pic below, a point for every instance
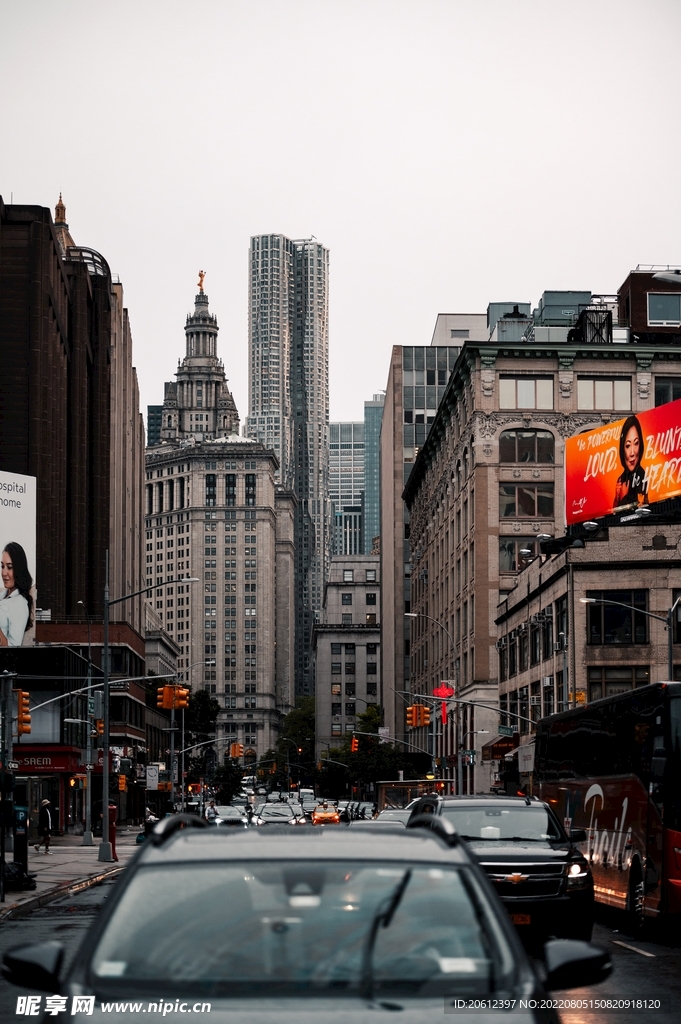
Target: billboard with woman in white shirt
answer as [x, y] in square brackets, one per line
[17, 559]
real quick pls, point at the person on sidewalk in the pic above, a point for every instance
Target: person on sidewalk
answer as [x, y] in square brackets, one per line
[44, 826]
[211, 813]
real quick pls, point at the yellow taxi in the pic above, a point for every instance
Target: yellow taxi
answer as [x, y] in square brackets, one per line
[325, 814]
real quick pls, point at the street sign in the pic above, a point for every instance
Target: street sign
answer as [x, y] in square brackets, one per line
[89, 767]
[119, 684]
[505, 730]
[13, 766]
[152, 777]
[91, 707]
[468, 753]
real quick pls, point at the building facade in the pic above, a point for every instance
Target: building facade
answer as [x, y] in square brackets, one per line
[346, 487]
[215, 510]
[416, 382]
[488, 483]
[289, 404]
[347, 648]
[371, 509]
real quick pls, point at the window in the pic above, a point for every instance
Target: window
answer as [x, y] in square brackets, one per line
[525, 501]
[230, 489]
[211, 488]
[350, 649]
[371, 573]
[349, 668]
[371, 599]
[250, 702]
[613, 624]
[350, 689]
[371, 668]
[346, 619]
[350, 709]
[371, 649]
[606, 682]
[348, 575]
[526, 393]
[336, 708]
[336, 667]
[250, 488]
[371, 619]
[667, 389]
[526, 446]
[335, 689]
[335, 648]
[604, 393]
[336, 730]
[664, 310]
[346, 598]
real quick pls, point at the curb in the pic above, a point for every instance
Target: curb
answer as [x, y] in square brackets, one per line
[18, 910]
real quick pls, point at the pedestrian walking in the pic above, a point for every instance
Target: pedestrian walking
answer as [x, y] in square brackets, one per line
[44, 826]
[211, 813]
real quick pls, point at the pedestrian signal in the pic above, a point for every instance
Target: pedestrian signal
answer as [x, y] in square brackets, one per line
[354, 745]
[23, 712]
[99, 725]
[122, 784]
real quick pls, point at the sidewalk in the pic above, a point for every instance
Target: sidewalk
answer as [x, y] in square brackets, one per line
[69, 865]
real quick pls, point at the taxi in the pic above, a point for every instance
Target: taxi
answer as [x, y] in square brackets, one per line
[325, 814]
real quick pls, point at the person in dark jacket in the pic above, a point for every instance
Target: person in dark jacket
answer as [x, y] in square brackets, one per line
[44, 826]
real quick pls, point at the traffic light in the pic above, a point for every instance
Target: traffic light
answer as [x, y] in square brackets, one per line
[23, 712]
[164, 697]
[180, 696]
[236, 750]
[99, 725]
[412, 716]
[122, 784]
[354, 745]
[424, 715]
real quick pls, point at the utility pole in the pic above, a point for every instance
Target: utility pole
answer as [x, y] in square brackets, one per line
[87, 834]
[6, 752]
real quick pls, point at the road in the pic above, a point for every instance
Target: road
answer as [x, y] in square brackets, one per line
[647, 967]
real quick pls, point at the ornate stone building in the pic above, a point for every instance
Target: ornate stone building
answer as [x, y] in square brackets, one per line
[488, 482]
[214, 510]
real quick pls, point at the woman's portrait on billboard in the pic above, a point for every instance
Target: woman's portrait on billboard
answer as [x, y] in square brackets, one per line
[631, 488]
[16, 603]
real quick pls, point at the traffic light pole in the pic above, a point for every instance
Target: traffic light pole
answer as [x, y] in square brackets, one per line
[105, 850]
[172, 755]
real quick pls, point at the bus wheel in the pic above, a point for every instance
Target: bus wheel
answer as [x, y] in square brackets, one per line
[635, 899]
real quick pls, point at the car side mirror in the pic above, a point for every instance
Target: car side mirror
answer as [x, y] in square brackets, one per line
[573, 964]
[577, 835]
[36, 965]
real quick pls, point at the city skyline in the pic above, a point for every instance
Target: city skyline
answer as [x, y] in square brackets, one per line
[432, 147]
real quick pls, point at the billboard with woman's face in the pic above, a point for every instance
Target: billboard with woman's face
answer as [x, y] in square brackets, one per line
[17, 554]
[631, 462]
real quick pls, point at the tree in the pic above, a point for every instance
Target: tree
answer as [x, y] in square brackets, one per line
[295, 746]
[201, 716]
[227, 781]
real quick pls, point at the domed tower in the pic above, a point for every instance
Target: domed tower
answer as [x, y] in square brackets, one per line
[199, 404]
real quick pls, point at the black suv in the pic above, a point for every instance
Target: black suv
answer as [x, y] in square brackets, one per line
[283, 924]
[537, 870]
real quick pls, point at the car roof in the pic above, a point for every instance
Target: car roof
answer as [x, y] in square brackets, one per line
[202, 845]
[486, 798]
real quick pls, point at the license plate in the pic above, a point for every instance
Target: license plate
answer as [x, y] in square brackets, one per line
[521, 919]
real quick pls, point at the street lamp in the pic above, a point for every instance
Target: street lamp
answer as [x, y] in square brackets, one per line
[105, 851]
[667, 619]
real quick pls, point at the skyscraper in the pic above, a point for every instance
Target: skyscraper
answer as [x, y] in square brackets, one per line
[371, 511]
[289, 404]
[346, 487]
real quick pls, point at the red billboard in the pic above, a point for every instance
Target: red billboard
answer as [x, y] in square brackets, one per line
[631, 462]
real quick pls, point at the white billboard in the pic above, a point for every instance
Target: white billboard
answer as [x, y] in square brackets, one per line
[18, 551]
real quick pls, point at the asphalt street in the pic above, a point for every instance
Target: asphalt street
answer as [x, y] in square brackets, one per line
[644, 967]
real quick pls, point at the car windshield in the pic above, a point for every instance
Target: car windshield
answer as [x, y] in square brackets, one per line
[298, 926]
[228, 812]
[276, 811]
[529, 822]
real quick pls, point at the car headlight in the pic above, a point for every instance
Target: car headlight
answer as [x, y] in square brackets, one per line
[578, 874]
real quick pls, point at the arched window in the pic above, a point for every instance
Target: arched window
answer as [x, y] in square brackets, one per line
[465, 463]
[458, 477]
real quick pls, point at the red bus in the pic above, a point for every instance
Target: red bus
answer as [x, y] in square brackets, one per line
[613, 768]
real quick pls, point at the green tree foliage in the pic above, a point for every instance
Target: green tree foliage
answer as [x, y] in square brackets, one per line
[201, 716]
[227, 781]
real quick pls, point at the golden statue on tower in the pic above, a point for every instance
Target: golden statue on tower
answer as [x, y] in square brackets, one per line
[202, 274]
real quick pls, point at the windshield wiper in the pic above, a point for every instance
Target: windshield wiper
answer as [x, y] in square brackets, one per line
[383, 916]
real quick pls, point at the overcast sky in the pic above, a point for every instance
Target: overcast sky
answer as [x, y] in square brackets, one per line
[448, 152]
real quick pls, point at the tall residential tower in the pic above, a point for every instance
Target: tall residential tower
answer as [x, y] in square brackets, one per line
[289, 404]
